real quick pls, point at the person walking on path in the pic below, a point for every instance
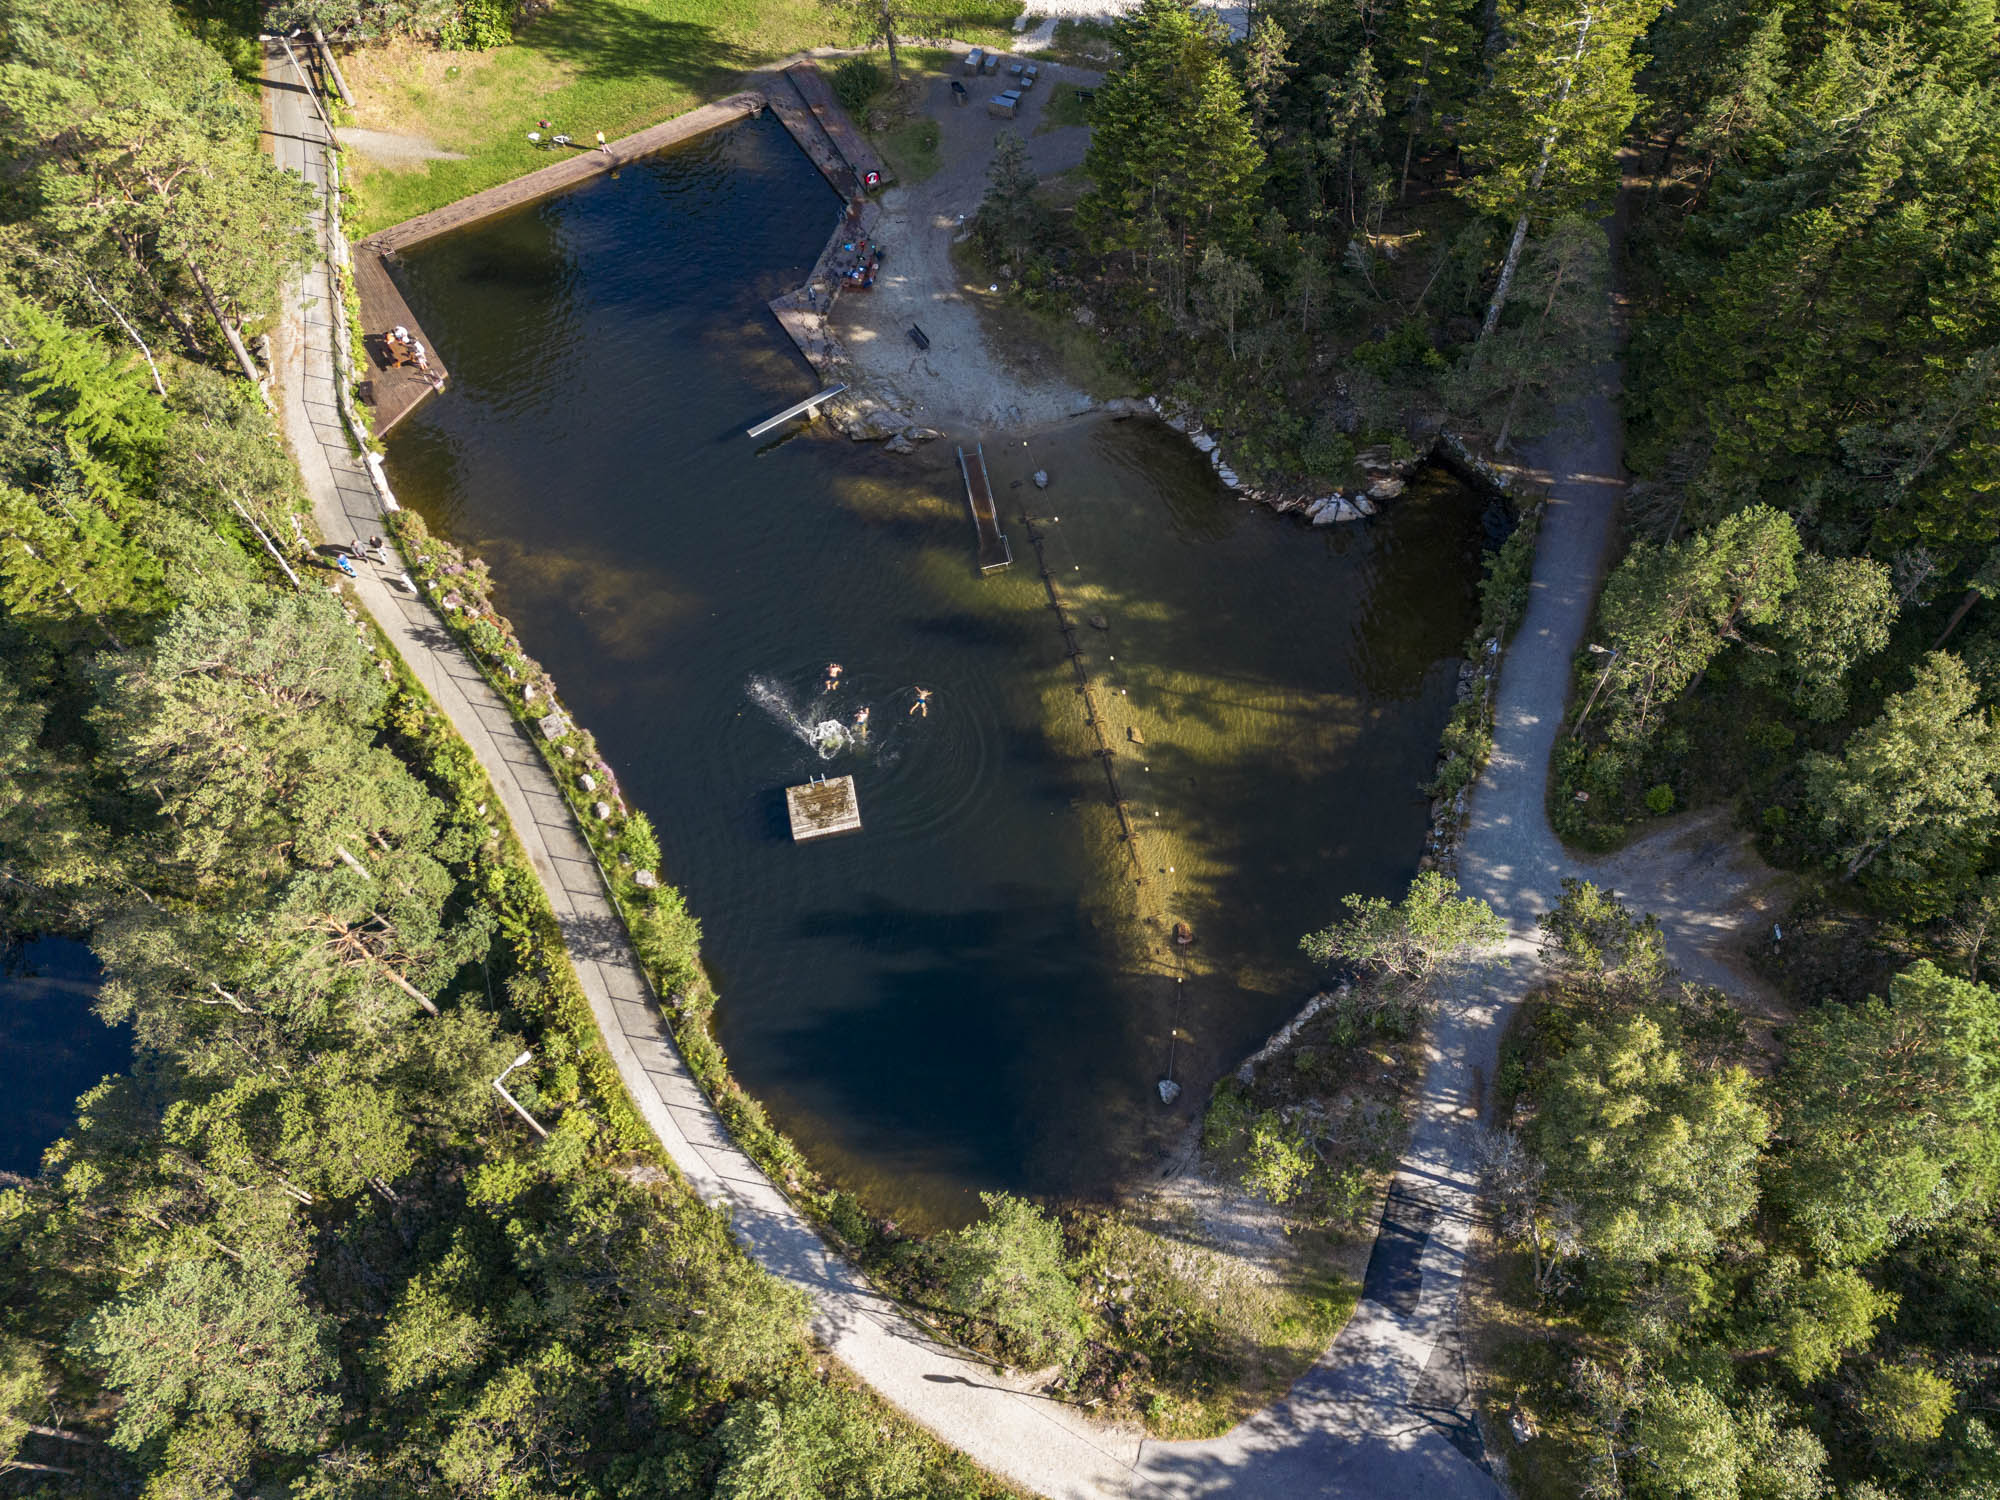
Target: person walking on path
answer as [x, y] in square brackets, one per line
[600, 144]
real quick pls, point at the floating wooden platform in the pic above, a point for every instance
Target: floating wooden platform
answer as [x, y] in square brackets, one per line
[994, 553]
[798, 409]
[391, 390]
[821, 808]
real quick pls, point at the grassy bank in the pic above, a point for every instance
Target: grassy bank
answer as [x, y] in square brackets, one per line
[589, 65]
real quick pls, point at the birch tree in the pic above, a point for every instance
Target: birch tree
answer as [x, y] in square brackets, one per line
[1547, 129]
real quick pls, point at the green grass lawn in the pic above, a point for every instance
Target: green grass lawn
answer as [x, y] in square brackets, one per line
[590, 65]
[1065, 107]
[912, 149]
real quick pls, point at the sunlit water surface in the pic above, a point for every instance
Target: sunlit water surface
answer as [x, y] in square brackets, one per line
[974, 992]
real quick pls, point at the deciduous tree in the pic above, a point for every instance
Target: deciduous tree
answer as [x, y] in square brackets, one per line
[1659, 1155]
[1887, 1112]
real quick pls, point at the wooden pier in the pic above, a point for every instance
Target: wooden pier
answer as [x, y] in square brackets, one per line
[801, 408]
[821, 808]
[392, 390]
[994, 553]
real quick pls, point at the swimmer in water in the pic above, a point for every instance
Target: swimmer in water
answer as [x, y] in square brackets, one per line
[861, 721]
[922, 706]
[832, 677]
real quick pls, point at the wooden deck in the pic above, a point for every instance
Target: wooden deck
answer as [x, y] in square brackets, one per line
[577, 166]
[819, 97]
[391, 390]
[994, 553]
[820, 808]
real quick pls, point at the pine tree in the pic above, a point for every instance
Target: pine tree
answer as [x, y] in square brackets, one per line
[1435, 54]
[1265, 69]
[1171, 141]
[1530, 370]
[1911, 796]
[1009, 217]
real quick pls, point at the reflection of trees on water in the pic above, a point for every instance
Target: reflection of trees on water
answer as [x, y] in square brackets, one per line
[1423, 585]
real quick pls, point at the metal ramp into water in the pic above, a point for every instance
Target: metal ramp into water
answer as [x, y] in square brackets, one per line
[994, 553]
[798, 409]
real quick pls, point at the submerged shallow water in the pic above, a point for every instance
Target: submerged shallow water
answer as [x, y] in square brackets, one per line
[973, 992]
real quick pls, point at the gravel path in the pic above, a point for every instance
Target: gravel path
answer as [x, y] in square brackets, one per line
[958, 379]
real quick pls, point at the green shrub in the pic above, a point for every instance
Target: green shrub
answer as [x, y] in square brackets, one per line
[479, 24]
[1659, 800]
[1280, 1161]
[1329, 453]
[1228, 1118]
[855, 82]
[1503, 592]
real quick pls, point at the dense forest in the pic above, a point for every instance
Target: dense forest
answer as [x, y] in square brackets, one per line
[301, 1247]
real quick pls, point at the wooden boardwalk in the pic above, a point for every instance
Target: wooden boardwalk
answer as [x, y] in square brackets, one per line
[391, 390]
[577, 166]
[994, 553]
[819, 97]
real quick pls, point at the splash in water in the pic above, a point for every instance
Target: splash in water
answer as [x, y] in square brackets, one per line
[827, 736]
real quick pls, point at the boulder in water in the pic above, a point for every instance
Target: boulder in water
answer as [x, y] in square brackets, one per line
[1169, 1091]
[1183, 933]
[1098, 622]
[1132, 734]
[1041, 479]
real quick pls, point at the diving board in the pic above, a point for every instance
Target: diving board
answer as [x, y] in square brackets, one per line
[799, 410]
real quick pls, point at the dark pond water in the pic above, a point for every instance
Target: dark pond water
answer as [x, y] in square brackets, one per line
[974, 992]
[52, 1045]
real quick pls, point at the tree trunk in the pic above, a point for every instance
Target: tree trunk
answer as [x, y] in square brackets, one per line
[1972, 597]
[269, 545]
[1507, 417]
[159, 385]
[1509, 266]
[333, 68]
[229, 333]
[1513, 260]
[889, 35]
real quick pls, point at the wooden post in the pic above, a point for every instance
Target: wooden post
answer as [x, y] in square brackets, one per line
[333, 68]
